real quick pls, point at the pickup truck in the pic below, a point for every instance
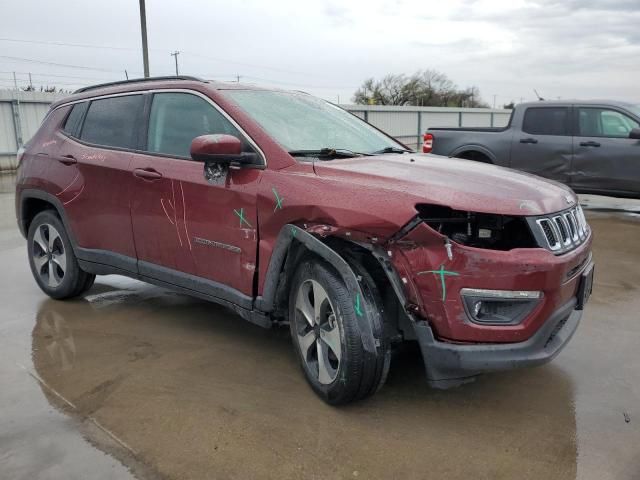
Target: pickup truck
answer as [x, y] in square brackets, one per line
[591, 146]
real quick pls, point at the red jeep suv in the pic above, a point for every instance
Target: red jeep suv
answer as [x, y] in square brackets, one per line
[288, 209]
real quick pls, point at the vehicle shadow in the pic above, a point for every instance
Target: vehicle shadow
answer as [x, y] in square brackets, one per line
[194, 389]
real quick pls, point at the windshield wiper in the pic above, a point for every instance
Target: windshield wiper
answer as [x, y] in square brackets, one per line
[391, 150]
[328, 153]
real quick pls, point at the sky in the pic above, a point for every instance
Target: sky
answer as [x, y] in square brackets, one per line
[563, 49]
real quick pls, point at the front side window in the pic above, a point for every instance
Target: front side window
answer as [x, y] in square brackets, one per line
[604, 122]
[113, 121]
[301, 122]
[546, 121]
[177, 118]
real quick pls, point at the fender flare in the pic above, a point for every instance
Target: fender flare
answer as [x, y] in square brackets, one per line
[474, 148]
[287, 235]
[30, 193]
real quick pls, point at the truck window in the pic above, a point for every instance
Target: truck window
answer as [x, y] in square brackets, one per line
[604, 122]
[113, 121]
[546, 121]
[177, 118]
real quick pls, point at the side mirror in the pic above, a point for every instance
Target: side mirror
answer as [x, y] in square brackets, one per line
[216, 148]
[635, 133]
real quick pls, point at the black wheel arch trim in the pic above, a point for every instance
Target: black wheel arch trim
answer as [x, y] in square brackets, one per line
[290, 233]
[474, 148]
[32, 193]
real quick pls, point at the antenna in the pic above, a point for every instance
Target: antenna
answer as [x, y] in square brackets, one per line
[537, 95]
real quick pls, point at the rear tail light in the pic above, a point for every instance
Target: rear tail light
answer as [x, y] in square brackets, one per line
[427, 144]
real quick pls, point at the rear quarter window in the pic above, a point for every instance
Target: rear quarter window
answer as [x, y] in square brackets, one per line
[113, 122]
[546, 121]
[74, 120]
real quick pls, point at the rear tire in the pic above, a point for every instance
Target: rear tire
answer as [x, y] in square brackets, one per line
[327, 336]
[53, 264]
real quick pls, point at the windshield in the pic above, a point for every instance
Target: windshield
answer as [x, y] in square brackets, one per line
[301, 122]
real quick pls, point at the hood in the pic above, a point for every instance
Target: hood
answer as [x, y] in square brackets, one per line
[456, 183]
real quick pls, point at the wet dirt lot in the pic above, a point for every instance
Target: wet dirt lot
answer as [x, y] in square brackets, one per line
[133, 381]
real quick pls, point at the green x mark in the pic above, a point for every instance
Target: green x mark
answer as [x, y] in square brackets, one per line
[240, 214]
[278, 200]
[357, 305]
[442, 272]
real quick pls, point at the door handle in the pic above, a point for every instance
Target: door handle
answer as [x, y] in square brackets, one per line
[68, 160]
[147, 173]
[590, 144]
[528, 140]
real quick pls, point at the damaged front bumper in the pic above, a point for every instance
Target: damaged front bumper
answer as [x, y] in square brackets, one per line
[448, 365]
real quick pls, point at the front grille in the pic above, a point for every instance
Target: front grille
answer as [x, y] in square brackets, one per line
[561, 232]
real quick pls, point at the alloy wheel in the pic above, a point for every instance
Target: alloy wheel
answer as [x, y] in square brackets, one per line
[318, 332]
[48, 255]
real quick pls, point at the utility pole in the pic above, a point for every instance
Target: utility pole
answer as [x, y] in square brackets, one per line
[175, 55]
[143, 30]
[494, 101]
[126, 74]
[30, 82]
[15, 82]
[237, 78]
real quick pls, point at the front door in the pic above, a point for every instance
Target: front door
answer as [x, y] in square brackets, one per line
[543, 145]
[190, 231]
[605, 158]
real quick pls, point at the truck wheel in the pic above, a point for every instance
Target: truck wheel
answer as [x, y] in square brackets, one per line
[327, 336]
[51, 258]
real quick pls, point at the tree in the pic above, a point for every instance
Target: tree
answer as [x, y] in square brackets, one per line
[423, 88]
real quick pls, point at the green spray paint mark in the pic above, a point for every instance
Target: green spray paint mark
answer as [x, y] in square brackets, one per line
[240, 214]
[294, 232]
[279, 200]
[442, 272]
[357, 305]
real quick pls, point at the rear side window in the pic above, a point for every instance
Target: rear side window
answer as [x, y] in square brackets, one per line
[72, 125]
[113, 121]
[177, 118]
[546, 121]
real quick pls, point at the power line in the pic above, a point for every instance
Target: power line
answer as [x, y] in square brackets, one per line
[63, 44]
[110, 47]
[58, 76]
[65, 65]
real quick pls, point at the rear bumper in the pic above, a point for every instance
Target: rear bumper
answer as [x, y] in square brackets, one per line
[448, 365]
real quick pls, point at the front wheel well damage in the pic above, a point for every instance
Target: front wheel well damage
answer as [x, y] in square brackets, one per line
[365, 267]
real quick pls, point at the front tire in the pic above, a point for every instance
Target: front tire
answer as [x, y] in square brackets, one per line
[53, 264]
[327, 336]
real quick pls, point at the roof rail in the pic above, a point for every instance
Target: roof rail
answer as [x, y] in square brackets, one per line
[138, 80]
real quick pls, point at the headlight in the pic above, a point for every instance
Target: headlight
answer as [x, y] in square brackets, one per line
[499, 307]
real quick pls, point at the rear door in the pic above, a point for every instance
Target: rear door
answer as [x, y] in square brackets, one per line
[543, 144]
[99, 137]
[605, 158]
[188, 230]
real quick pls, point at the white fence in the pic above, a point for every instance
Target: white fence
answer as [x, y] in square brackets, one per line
[408, 124]
[20, 116]
[22, 112]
